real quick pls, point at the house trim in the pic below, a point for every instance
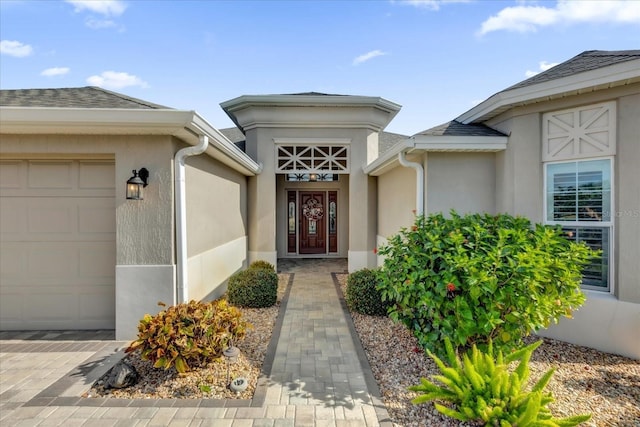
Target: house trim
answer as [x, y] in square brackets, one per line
[327, 111]
[186, 125]
[589, 81]
[434, 143]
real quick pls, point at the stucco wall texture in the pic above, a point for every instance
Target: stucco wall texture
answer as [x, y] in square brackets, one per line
[520, 175]
[216, 225]
[144, 228]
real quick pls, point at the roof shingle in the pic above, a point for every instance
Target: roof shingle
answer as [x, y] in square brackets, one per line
[586, 61]
[455, 128]
[80, 97]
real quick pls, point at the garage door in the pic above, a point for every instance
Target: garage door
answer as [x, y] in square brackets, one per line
[57, 244]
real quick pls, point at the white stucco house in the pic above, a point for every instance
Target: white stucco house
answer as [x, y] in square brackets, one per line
[305, 175]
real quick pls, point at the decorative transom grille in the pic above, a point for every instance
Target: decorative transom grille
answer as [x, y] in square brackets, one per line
[313, 158]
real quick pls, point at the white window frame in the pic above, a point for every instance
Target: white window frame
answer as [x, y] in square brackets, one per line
[590, 224]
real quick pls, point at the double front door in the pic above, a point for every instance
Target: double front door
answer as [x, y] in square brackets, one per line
[313, 222]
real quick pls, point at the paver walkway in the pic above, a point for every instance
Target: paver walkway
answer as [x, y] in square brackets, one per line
[319, 374]
[317, 367]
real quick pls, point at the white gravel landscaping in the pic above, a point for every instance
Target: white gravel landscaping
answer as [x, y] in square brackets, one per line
[585, 381]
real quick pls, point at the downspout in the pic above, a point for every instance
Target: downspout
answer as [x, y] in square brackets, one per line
[182, 291]
[419, 180]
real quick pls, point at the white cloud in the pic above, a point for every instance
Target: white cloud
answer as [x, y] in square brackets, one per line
[525, 18]
[430, 4]
[116, 80]
[367, 56]
[55, 71]
[544, 66]
[99, 24]
[103, 7]
[15, 48]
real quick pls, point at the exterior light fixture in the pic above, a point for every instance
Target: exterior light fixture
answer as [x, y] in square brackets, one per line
[313, 177]
[231, 354]
[136, 183]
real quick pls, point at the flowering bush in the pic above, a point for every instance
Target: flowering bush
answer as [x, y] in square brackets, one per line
[480, 278]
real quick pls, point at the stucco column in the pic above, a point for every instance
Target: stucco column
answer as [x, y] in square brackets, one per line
[362, 213]
[262, 201]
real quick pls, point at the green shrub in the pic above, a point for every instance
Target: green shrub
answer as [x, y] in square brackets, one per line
[482, 388]
[260, 264]
[362, 293]
[477, 278]
[189, 334]
[254, 287]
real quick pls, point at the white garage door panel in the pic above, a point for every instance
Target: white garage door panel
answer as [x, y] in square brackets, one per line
[10, 174]
[57, 244]
[11, 308]
[97, 217]
[96, 260]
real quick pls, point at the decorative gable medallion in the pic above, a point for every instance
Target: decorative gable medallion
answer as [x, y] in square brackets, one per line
[579, 133]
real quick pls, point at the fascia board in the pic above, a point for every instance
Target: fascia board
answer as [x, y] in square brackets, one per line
[624, 72]
[245, 101]
[234, 106]
[460, 143]
[434, 143]
[94, 120]
[186, 125]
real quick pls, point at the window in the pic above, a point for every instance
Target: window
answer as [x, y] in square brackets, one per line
[579, 198]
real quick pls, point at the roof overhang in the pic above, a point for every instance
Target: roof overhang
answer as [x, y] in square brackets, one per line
[434, 143]
[185, 125]
[305, 111]
[589, 81]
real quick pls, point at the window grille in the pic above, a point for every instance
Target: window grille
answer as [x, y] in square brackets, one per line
[292, 159]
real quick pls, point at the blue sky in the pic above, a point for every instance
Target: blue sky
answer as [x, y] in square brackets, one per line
[435, 58]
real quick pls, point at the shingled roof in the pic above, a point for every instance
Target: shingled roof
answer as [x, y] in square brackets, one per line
[586, 61]
[80, 97]
[590, 70]
[314, 94]
[455, 128]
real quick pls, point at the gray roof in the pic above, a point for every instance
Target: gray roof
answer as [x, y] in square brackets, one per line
[455, 128]
[586, 61]
[387, 140]
[236, 136]
[314, 94]
[79, 97]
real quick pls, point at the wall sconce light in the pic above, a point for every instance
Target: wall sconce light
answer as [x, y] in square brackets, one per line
[136, 183]
[313, 177]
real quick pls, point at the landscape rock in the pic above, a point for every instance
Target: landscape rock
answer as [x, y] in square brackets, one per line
[122, 375]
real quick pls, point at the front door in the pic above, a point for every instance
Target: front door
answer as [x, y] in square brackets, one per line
[312, 216]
